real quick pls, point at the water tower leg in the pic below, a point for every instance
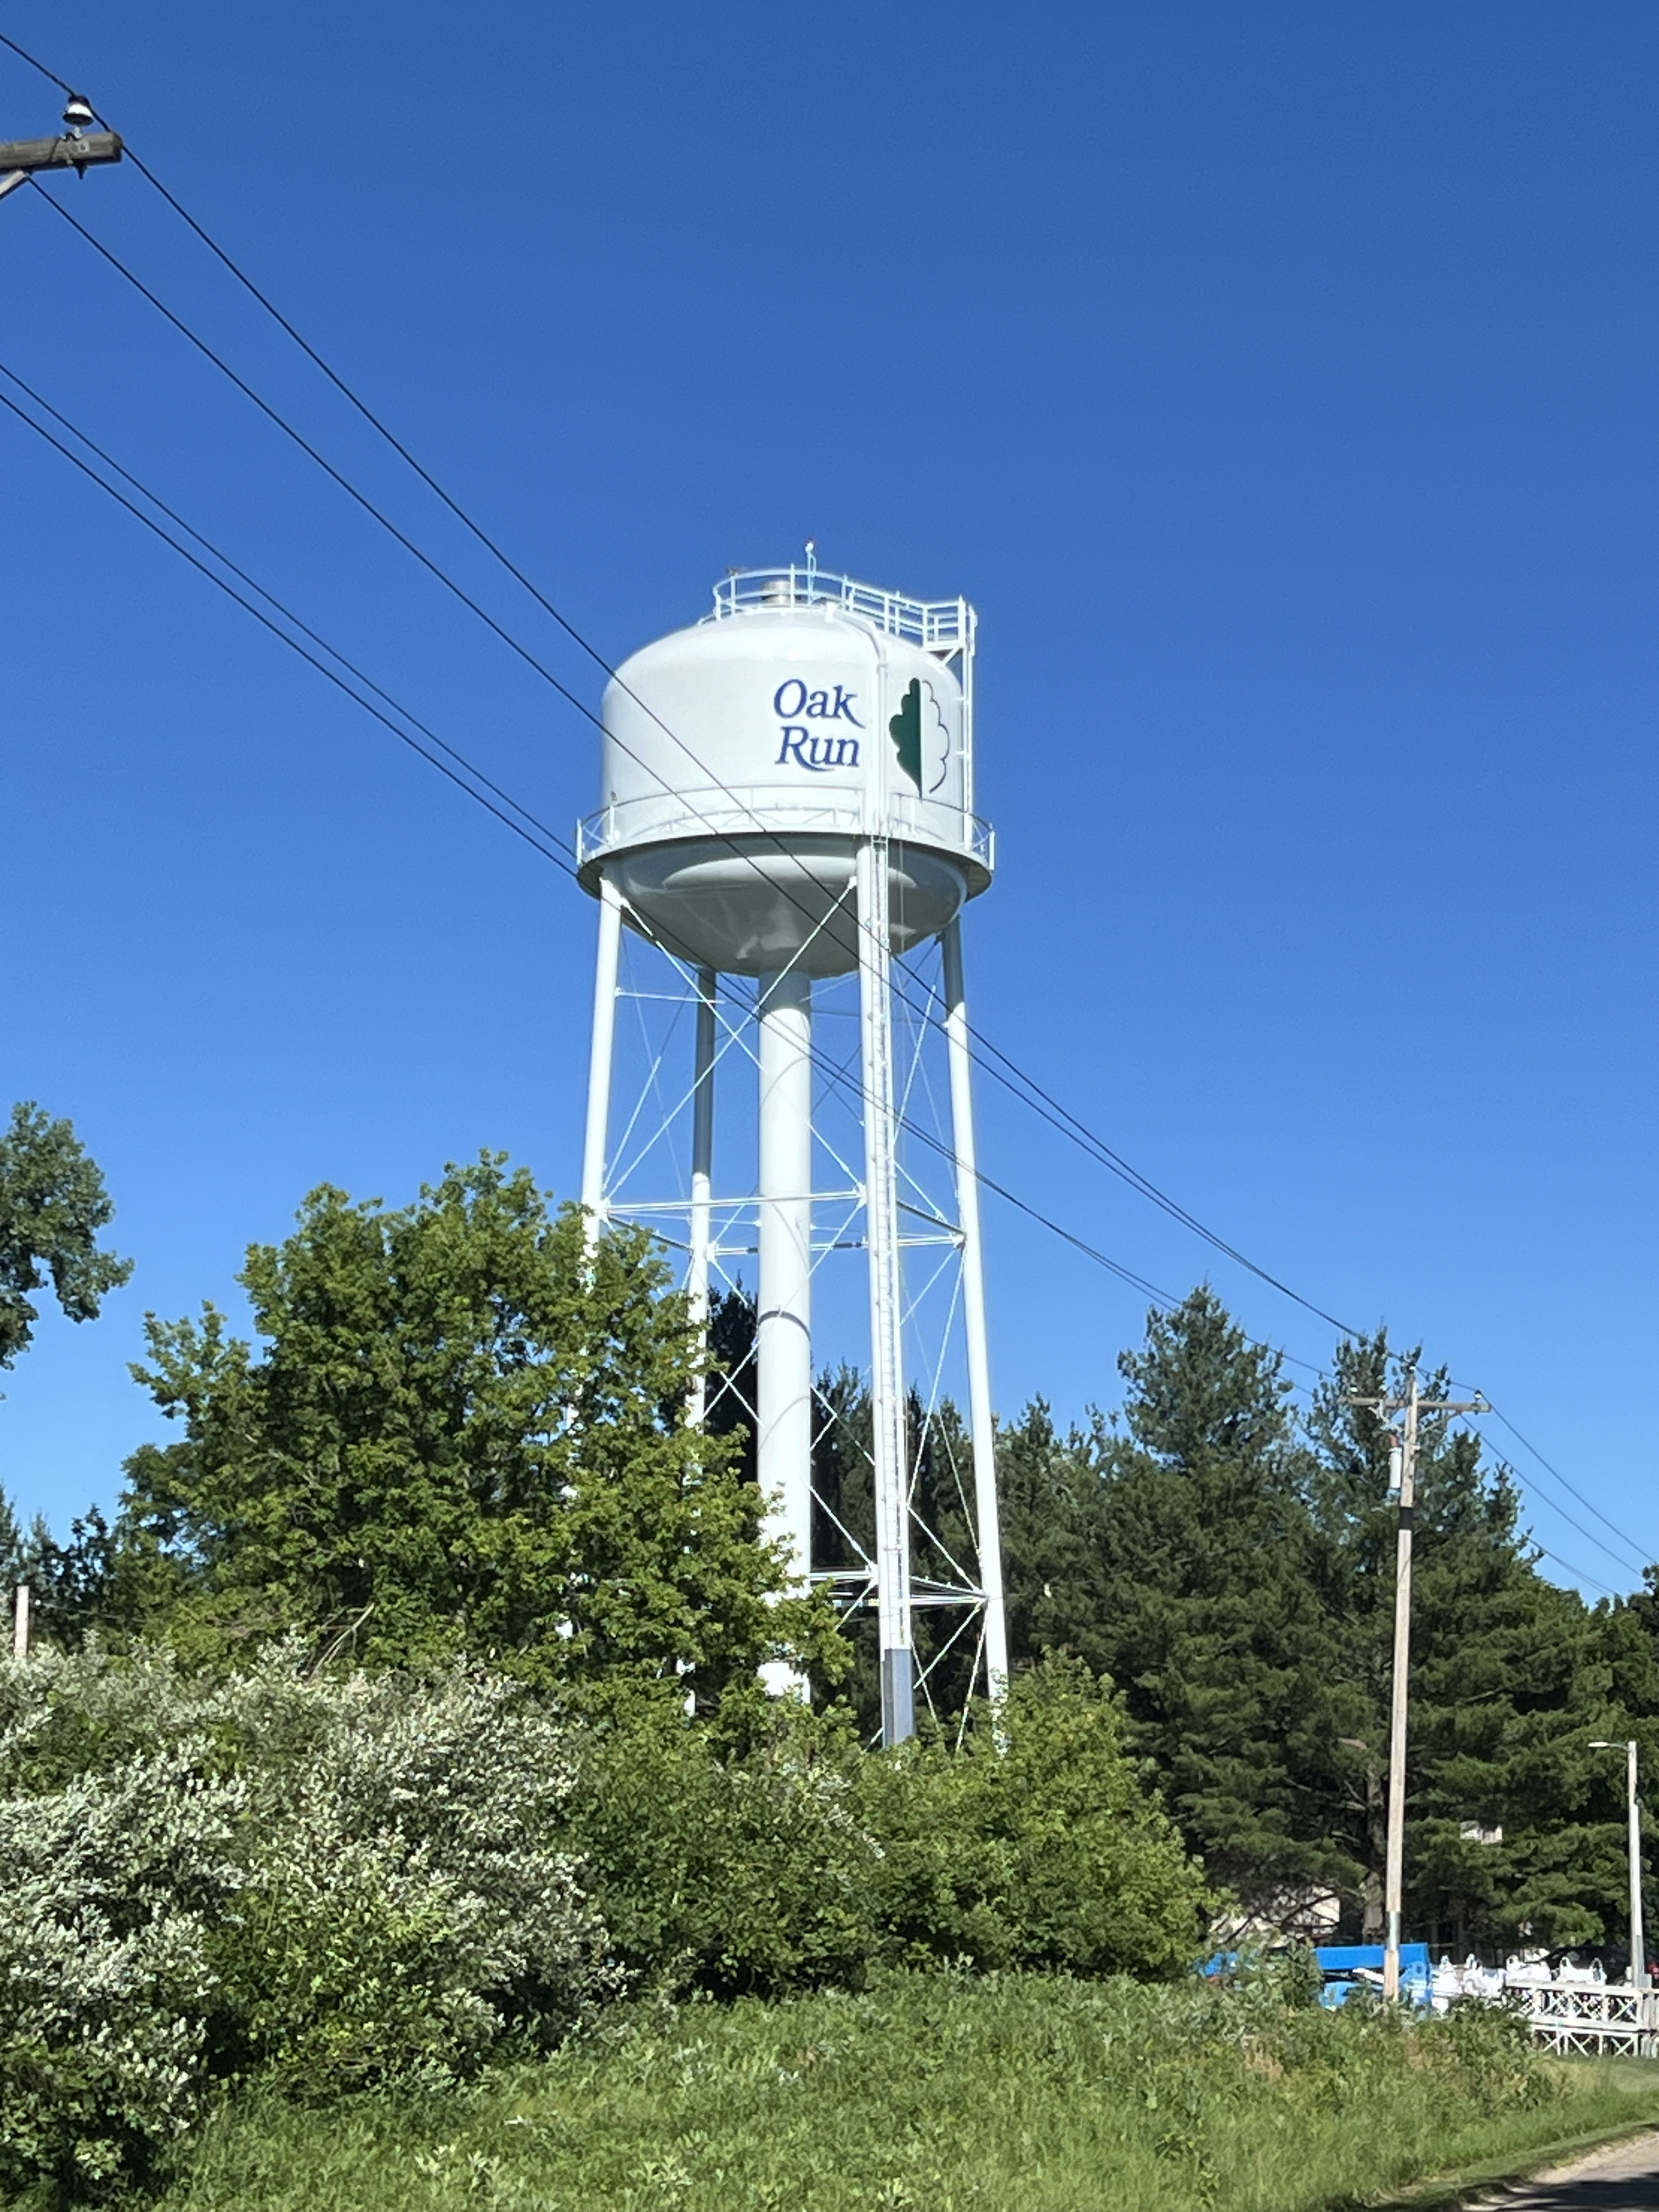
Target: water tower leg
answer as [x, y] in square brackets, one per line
[702, 1164]
[886, 1308]
[783, 1331]
[600, 1059]
[981, 1422]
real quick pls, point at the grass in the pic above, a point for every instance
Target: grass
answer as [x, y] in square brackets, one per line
[932, 2093]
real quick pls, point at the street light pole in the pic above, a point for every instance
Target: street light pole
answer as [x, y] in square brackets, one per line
[1413, 1406]
[1639, 1955]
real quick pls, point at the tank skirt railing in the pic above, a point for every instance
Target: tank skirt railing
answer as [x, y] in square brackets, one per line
[773, 810]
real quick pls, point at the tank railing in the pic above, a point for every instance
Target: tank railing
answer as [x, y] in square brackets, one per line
[943, 625]
[777, 809]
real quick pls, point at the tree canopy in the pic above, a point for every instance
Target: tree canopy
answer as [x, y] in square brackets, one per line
[1230, 1564]
[458, 1431]
[52, 1205]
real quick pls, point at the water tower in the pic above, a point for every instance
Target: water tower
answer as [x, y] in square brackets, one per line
[787, 791]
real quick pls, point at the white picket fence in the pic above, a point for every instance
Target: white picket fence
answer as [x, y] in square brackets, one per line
[1574, 2009]
[1591, 2017]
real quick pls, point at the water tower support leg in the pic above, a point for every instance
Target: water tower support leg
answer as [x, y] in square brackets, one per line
[886, 1308]
[783, 1331]
[599, 1059]
[980, 1421]
[702, 1164]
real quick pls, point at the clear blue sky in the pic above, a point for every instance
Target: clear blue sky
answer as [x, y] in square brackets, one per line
[1278, 380]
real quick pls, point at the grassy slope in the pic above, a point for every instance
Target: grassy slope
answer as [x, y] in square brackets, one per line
[1021, 2095]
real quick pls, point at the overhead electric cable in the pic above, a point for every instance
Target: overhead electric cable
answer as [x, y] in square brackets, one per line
[544, 842]
[1022, 1086]
[1049, 1109]
[292, 643]
[1031, 1093]
[1631, 1564]
[1567, 1486]
[327, 466]
[1577, 1573]
[286, 612]
[547, 844]
[51, 75]
[433, 568]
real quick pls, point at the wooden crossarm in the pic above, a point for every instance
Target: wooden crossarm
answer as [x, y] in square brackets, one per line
[23, 156]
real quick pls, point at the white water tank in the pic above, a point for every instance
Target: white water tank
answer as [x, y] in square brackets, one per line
[745, 758]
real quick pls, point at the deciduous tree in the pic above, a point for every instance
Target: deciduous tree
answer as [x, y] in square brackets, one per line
[458, 1431]
[52, 1205]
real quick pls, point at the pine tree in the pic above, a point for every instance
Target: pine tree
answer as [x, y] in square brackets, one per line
[1207, 1614]
[1233, 1572]
[1506, 1687]
[1046, 1484]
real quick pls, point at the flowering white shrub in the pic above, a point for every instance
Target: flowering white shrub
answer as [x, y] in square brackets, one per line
[337, 1878]
[105, 1987]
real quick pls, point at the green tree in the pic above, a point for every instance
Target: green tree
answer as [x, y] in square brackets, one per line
[766, 1850]
[52, 1205]
[1506, 1833]
[1233, 1570]
[940, 1460]
[1046, 1485]
[1200, 1599]
[71, 1584]
[460, 1432]
[11, 1544]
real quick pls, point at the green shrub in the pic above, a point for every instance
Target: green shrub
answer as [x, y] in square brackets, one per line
[343, 1880]
[331, 1880]
[769, 1852]
[729, 1859]
[106, 1991]
[1034, 1845]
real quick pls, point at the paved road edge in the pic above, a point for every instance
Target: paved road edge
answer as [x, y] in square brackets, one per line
[1449, 2193]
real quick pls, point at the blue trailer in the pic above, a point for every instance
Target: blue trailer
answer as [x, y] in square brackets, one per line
[1350, 1966]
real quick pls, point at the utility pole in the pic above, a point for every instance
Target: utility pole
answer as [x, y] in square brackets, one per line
[78, 149]
[19, 1624]
[1638, 1950]
[1413, 1406]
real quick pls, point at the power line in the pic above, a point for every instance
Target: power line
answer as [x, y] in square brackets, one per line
[1577, 1573]
[1030, 1093]
[1568, 1487]
[1630, 1566]
[544, 842]
[442, 576]
[1059, 1116]
[51, 75]
[328, 468]
[287, 612]
[1093, 1252]
[1008, 1072]
[1165, 1299]
[293, 643]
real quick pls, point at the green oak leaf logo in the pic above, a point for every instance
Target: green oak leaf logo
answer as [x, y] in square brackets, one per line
[905, 729]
